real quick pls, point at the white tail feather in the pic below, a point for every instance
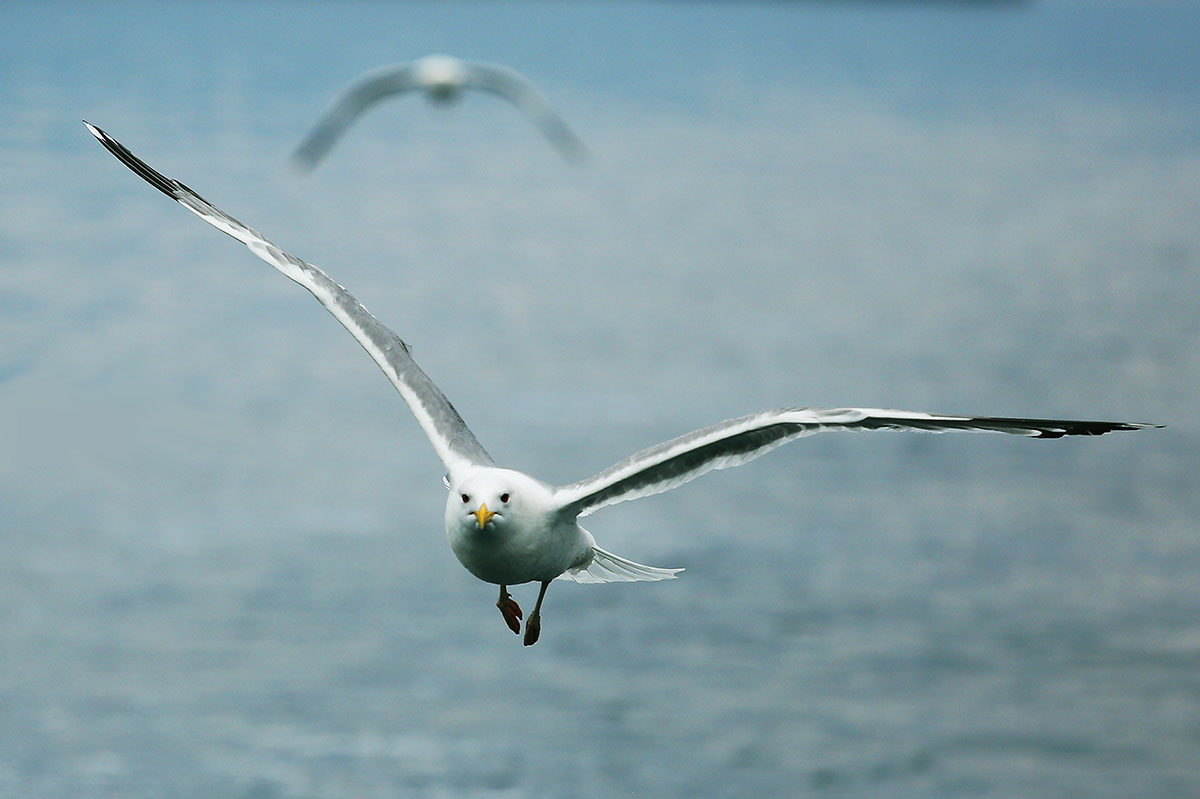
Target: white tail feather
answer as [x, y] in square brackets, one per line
[605, 567]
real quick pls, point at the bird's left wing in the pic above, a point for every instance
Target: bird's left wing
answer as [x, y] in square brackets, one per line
[365, 92]
[451, 438]
[520, 91]
[737, 441]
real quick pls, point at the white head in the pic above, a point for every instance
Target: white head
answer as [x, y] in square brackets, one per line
[441, 76]
[496, 502]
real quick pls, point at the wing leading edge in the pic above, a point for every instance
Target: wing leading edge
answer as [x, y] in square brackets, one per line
[737, 441]
[453, 441]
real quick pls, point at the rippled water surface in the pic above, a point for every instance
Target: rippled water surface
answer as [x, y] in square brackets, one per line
[222, 571]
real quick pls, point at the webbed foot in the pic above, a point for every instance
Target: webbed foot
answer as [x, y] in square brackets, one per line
[510, 610]
[533, 628]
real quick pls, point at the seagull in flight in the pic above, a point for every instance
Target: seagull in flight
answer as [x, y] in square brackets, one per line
[509, 528]
[442, 78]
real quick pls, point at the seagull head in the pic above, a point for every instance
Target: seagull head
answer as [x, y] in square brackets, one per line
[491, 501]
[441, 76]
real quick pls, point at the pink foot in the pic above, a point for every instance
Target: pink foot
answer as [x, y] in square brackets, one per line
[533, 628]
[511, 611]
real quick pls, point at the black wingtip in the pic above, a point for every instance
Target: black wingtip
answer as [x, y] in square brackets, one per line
[143, 170]
[1094, 428]
[302, 163]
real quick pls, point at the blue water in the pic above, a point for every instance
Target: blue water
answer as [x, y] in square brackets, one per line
[222, 571]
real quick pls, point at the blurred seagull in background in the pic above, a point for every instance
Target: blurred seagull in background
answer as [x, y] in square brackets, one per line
[443, 79]
[507, 527]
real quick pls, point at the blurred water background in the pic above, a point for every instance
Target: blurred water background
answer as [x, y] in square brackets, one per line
[222, 566]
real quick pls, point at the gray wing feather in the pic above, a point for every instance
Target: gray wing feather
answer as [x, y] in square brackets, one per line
[449, 434]
[520, 91]
[361, 95]
[737, 441]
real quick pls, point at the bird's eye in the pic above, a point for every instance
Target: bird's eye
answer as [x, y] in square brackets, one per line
[504, 497]
[466, 499]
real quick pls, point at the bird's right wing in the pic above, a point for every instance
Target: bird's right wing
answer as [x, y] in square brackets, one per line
[362, 94]
[737, 441]
[449, 434]
[520, 91]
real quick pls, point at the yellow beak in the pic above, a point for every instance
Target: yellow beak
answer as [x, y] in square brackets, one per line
[483, 515]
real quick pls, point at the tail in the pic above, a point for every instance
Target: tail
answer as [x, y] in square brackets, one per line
[605, 567]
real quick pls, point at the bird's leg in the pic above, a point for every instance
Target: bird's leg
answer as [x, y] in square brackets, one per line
[533, 627]
[509, 609]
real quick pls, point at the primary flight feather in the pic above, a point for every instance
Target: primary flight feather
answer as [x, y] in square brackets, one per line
[507, 527]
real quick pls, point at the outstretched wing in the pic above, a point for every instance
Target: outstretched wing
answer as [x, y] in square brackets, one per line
[453, 441]
[362, 94]
[518, 89]
[737, 441]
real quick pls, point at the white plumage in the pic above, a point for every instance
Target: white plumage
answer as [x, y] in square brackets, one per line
[443, 79]
[507, 527]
